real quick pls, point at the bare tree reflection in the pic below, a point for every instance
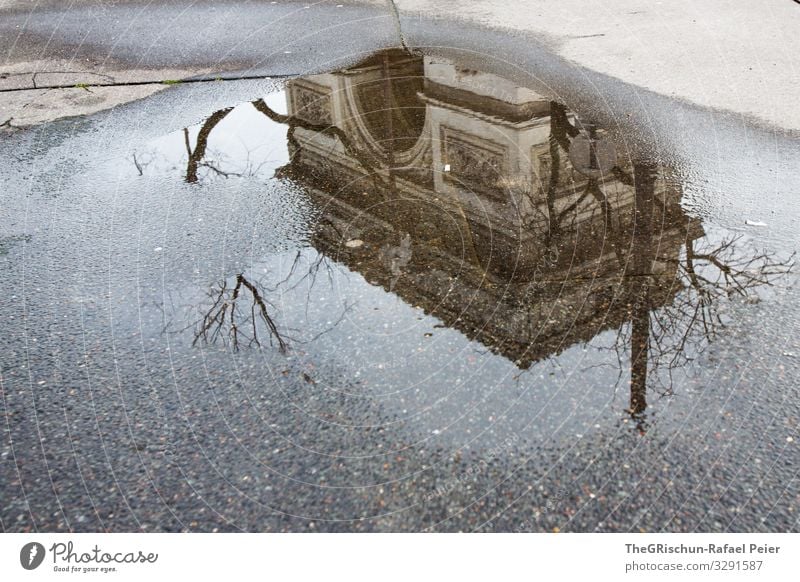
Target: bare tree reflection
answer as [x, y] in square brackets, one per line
[238, 323]
[661, 335]
[369, 164]
[668, 335]
[560, 132]
[241, 314]
[710, 275]
[320, 264]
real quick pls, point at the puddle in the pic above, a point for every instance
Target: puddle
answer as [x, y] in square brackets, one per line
[422, 295]
[453, 212]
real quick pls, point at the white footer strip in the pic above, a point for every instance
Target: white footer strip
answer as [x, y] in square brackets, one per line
[373, 557]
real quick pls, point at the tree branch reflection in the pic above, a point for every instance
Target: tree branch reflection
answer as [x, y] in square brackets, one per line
[224, 319]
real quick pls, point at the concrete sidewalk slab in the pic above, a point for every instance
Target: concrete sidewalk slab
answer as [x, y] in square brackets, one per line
[723, 54]
[35, 106]
[129, 42]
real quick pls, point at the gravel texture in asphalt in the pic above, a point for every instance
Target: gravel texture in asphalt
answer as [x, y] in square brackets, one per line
[439, 291]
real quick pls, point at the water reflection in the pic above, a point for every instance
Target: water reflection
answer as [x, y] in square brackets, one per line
[227, 315]
[497, 211]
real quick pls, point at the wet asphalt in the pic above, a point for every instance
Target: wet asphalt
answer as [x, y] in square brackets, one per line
[379, 417]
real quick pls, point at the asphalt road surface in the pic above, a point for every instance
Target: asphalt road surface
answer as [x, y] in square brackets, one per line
[437, 290]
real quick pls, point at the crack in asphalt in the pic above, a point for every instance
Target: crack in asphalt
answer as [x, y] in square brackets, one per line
[35, 86]
[391, 6]
[396, 15]
[167, 82]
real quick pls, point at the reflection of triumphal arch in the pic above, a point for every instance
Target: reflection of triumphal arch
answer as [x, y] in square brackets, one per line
[472, 141]
[502, 214]
[461, 187]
